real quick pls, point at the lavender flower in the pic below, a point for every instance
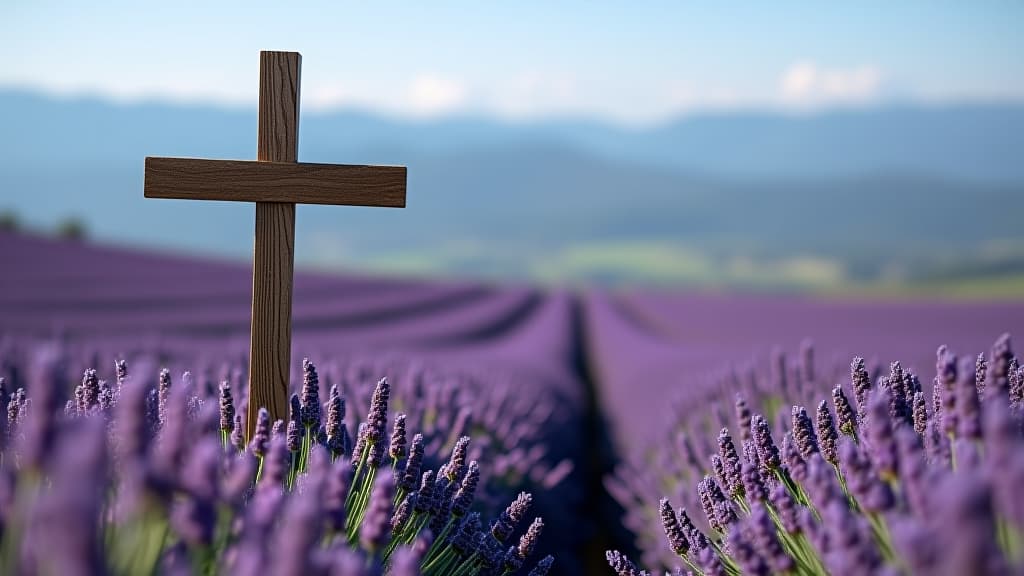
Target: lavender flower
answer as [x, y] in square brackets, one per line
[310, 395]
[749, 561]
[261, 433]
[398, 441]
[456, 466]
[730, 463]
[766, 450]
[803, 432]
[673, 531]
[980, 371]
[411, 472]
[293, 437]
[828, 437]
[275, 463]
[920, 413]
[467, 491]
[376, 525]
[743, 418]
[844, 412]
[946, 379]
[425, 501]
[880, 435]
[870, 491]
[506, 523]
[620, 564]
[543, 566]
[861, 382]
[967, 403]
[238, 433]
[227, 408]
[163, 393]
[786, 508]
[528, 542]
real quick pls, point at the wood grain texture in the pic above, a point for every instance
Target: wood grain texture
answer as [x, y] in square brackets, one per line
[270, 345]
[301, 183]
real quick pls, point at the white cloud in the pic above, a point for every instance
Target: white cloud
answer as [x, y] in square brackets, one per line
[430, 95]
[807, 84]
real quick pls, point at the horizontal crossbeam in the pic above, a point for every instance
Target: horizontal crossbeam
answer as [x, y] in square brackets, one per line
[299, 183]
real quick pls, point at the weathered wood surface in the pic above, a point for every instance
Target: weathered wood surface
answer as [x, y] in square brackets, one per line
[298, 183]
[270, 345]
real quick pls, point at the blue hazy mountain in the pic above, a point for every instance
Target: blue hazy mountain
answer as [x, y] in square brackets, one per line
[868, 189]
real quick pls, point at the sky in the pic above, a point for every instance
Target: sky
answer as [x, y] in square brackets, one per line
[621, 62]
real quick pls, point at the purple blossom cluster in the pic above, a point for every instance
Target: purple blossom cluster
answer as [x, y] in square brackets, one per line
[151, 473]
[811, 472]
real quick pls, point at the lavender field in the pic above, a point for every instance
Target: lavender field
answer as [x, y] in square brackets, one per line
[468, 428]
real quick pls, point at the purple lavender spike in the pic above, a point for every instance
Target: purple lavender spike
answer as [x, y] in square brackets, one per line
[90, 390]
[543, 566]
[194, 518]
[828, 437]
[396, 450]
[946, 379]
[403, 512]
[718, 468]
[405, 562]
[766, 449]
[803, 432]
[743, 418]
[920, 413]
[968, 526]
[425, 501]
[411, 472]
[730, 462]
[336, 491]
[275, 464]
[673, 531]
[967, 403]
[753, 485]
[375, 529]
[300, 531]
[620, 564]
[846, 417]
[528, 542]
[870, 491]
[238, 482]
[861, 382]
[261, 433]
[163, 393]
[980, 371]
[743, 553]
[293, 436]
[795, 463]
[65, 515]
[310, 406]
[238, 433]
[851, 549]
[506, 523]
[377, 418]
[880, 435]
[787, 509]
[456, 466]
[227, 408]
[467, 491]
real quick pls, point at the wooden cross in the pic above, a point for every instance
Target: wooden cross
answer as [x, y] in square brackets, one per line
[276, 181]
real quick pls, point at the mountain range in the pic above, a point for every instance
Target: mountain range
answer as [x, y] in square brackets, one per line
[746, 198]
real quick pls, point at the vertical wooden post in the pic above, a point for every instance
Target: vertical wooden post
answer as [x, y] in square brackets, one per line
[274, 246]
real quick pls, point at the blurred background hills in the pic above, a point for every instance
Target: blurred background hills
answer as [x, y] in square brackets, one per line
[889, 198]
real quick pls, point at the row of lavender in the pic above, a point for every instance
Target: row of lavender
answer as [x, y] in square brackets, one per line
[144, 472]
[881, 474]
